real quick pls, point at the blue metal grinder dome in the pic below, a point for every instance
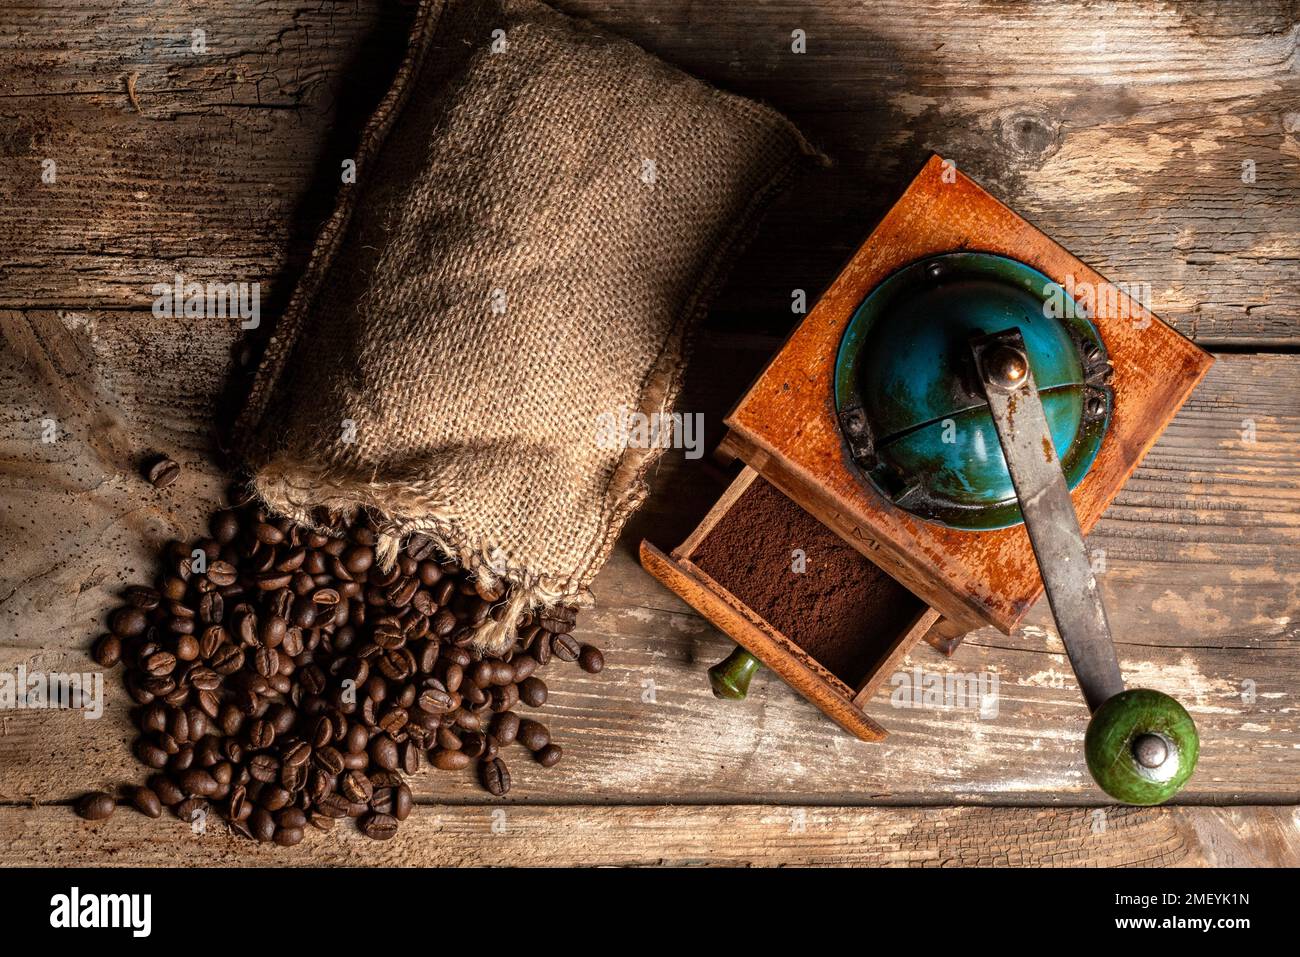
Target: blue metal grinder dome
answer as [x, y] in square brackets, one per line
[909, 403]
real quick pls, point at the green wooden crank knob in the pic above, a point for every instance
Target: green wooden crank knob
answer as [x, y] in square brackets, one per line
[730, 678]
[1141, 746]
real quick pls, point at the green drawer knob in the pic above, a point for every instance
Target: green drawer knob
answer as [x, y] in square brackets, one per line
[730, 678]
[1141, 746]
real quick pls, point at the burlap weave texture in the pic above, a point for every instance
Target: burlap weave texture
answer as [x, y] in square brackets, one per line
[540, 213]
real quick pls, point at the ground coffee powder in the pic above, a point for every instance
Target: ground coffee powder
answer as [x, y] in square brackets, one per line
[841, 608]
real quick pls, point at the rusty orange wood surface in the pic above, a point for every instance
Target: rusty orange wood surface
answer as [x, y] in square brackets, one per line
[786, 426]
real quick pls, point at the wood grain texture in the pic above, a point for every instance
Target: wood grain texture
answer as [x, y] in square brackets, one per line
[1122, 136]
[1202, 581]
[809, 836]
[214, 164]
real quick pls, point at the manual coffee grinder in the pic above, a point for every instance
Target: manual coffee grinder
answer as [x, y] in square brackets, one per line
[961, 406]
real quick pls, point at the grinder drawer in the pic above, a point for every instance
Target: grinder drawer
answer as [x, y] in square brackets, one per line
[815, 610]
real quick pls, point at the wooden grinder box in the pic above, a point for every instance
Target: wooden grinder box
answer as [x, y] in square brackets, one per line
[921, 579]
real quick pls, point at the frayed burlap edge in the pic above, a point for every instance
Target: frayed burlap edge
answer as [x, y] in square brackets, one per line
[301, 491]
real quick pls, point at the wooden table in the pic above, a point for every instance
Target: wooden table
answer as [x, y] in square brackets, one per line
[1161, 144]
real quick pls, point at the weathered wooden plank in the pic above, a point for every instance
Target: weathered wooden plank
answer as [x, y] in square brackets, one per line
[1124, 137]
[1202, 580]
[566, 836]
[215, 163]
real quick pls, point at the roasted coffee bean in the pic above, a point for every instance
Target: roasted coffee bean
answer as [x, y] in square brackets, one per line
[591, 660]
[393, 720]
[449, 760]
[402, 802]
[435, 701]
[153, 718]
[162, 472]
[267, 534]
[160, 663]
[327, 597]
[468, 720]
[238, 808]
[222, 573]
[355, 786]
[142, 597]
[533, 734]
[357, 737]
[264, 767]
[328, 759]
[146, 802]
[420, 547]
[166, 789]
[358, 559]
[197, 783]
[297, 753]
[150, 754]
[383, 752]
[210, 640]
[224, 526]
[380, 827]
[288, 836]
[179, 726]
[273, 580]
[261, 735]
[273, 797]
[212, 608]
[565, 647]
[295, 682]
[444, 623]
[505, 727]
[231, 719]
[128, 622]
[159, 685]
[96, 806]
[333, 805]
[266, 661]
[389, 635]
[294, 778]
[532, 692]
[191, 810]
[227, 659]
[495, 776]
[548, 756]
[397, 664]
[262, 824]
[108, 651]
[293, 642]
[505, 697]
[410, 757]
[522, 668]
[382, 801]
[291, 817]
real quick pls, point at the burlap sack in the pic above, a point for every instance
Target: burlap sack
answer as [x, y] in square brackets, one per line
[540, 211]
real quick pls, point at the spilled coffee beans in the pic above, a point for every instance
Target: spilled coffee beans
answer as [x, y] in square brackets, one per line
[286, 682]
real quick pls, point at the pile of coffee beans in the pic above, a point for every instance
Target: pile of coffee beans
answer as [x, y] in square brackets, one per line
[286, 681]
